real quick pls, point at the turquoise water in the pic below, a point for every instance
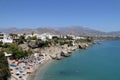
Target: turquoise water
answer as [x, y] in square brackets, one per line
[98, 62]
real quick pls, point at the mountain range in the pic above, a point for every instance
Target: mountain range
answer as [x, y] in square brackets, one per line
[75, 30]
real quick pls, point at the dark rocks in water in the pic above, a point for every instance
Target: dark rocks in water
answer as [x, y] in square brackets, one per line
[70, 52]
[65, 54]
[58, 56]
[83, 46]
[53, 56]
[73, 49]
[94, 42]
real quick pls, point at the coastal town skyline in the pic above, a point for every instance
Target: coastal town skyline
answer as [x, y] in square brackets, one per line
[101, 14]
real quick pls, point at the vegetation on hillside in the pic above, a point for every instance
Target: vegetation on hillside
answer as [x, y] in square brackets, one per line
[21, 39]
[4, 69]
[31, 42]
[15, 51]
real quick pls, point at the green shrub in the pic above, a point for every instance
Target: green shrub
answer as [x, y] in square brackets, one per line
[4, 69]
[16, 52]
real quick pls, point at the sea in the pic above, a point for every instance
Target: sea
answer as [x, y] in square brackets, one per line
[97, 62]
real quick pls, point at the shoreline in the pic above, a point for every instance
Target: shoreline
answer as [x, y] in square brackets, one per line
[50, 53]
[33, 75]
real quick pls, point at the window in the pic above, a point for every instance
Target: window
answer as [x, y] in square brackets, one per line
[1, 34]
[1, 37]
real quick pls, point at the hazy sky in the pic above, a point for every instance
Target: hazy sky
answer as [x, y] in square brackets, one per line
[96, 14]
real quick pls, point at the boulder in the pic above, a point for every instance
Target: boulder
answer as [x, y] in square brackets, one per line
[23, 47]
[58, 56]
[33, 44]
[53, 56]
[65, 53]
[83, 46]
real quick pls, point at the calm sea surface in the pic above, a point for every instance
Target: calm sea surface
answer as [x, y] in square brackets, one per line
[98, 62]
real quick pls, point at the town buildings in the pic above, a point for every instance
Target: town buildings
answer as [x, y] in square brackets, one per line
[5, 38]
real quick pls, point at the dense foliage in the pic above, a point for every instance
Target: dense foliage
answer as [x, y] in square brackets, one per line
[1, 43]
[21, 39]
[4, 69]
[15, 51]
[88, 39]
[32, 38]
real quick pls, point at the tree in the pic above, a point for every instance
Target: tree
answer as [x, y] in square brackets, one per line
[5, 45]
[69, 38]
[4, 69]
[24, 34]
[1, 43]
[32, 38]
[13, 35]
[16, 52]
[80, 40]
[21, 39]
[89, 39]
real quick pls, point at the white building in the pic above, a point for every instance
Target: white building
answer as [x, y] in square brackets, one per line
[76, 37]
[31, 35]
[5, 38]
[44, 36]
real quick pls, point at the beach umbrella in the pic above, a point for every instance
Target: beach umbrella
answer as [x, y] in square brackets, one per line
[36, 55]
[29, 71]
[24, 73]
[13, 65]
[18, 73]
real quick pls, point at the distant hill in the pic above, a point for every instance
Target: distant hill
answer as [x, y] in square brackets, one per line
[75, 30]
[78, 30]
[114, 33]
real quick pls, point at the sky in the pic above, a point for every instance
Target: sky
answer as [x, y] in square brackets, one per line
[102, 15]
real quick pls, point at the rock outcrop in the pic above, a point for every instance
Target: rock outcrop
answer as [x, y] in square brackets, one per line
[35, 44]
[58, 56]
[65, 54]
[66, 51]
[83, 46]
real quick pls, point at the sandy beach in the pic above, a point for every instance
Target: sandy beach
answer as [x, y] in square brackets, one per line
[26, 68]
[21, 70]
[49, 51]
[33, 75]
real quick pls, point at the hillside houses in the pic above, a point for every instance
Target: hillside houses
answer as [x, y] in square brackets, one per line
[43, 36]
[5, 38]
[75, 37]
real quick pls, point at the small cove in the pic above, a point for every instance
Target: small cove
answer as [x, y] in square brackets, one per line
[97, 62]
